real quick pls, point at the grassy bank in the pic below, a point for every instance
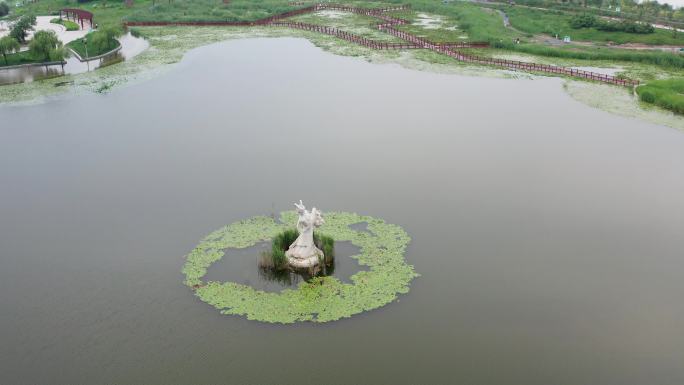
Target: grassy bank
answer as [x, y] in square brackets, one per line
[667, 94]
[657, 58]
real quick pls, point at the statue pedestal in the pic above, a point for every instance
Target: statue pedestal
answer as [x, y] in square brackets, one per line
[303, 257]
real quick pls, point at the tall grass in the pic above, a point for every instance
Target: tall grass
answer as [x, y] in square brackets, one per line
[667, 94]
[210, 10]
[327, 245]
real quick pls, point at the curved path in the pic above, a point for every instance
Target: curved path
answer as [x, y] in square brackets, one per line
[387, 24]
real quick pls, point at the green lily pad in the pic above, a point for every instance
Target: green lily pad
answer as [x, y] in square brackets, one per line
[322, 299]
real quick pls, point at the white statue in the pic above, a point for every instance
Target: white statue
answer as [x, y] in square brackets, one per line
[303, 253]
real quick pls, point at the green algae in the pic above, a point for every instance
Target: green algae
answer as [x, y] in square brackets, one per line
[322, 299]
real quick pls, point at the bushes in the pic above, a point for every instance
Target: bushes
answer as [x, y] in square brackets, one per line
[68, 24]
[589, 21]
[624, 26]
[583, 21]
[664, 93]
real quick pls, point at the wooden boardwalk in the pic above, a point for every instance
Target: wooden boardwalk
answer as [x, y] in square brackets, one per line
[387, 24]
[509, 64]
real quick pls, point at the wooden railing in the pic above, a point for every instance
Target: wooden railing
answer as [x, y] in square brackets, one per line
[510, 64]
[348, 36]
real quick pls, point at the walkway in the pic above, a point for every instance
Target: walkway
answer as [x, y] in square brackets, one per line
[43, 24]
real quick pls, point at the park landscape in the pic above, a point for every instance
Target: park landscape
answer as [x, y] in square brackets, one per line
[639, 47]
[416, 191]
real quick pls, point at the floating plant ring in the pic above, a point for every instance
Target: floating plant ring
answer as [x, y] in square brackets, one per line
[322, 299]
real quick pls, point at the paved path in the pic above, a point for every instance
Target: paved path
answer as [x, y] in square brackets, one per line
[43, 24]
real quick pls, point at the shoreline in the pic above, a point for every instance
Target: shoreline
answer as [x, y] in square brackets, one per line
[168, 46]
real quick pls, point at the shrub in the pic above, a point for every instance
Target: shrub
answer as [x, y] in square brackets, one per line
[589, 21]
[583, 21]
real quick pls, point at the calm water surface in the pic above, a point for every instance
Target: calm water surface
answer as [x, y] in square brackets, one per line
[548, 234]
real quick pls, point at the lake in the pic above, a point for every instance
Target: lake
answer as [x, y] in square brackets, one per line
[548, 234]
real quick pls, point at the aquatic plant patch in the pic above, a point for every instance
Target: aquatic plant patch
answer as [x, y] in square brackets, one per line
[322, 299]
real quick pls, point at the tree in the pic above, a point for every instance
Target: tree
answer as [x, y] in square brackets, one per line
[45, 46]
[104, 39]
[4, 9]
[22, 26]
[8, 44]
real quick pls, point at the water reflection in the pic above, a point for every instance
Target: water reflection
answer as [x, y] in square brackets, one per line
[130, 47]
